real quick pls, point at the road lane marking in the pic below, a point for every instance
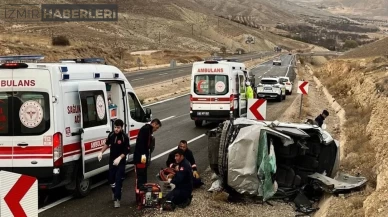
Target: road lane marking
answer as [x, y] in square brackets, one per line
[165, 119]
[166, 100]
[168, 151]
[164, 73]
[288, 68]
[51, 205]
[137, 79]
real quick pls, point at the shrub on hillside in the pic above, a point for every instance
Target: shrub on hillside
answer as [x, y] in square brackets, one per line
[60, 40]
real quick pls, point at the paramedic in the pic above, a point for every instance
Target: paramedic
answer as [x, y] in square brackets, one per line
[249, 90]
[321, 117]
[141, 154]
[183, 181]
[118, 142]
[188, 156]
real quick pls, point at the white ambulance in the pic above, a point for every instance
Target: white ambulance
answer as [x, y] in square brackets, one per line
[217, 91]
[55, 117]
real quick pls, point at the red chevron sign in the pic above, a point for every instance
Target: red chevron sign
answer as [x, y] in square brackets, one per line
[16, 188]
[257, 109]
[303, 87]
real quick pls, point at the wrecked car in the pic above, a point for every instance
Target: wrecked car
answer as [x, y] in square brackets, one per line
[270, 159]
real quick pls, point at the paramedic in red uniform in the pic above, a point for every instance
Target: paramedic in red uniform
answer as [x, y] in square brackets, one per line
[142, 151]
[118, 142]
[188, 156]
[183, 181]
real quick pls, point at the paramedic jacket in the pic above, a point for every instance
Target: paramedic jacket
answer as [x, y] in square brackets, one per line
[119, 144]
[188, 155]
[143, 143]
[183, 179]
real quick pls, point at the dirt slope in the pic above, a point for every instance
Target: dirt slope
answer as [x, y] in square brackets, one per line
[361, 87]
[378, 48]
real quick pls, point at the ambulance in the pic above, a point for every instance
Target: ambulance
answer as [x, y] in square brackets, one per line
[55, 117]
[217, 91]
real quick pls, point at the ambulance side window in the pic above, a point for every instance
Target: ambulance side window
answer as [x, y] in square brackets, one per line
[136, 111]
[89, 109]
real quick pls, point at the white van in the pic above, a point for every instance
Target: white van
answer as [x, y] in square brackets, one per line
[217, 91]
[55, 117]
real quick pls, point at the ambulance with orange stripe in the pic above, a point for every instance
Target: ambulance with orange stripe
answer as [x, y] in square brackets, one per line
[55, 117]
[217, 91]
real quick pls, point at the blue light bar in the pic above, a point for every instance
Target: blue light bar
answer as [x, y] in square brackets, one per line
[65, 76]
[63, 69]
[21, 57]
[116, 75]
[96, 75]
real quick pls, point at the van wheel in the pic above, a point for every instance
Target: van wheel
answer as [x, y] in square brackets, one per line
[198, 123]
[82, 188]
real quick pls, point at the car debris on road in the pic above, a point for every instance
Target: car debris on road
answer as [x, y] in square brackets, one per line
[276, 160]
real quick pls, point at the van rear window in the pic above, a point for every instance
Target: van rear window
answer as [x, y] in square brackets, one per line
[211, 84]
[263, 81]
[24, 113]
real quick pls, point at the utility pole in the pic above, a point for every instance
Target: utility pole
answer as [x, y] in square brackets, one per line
[159, 37]
[192, 29]
[218, 22]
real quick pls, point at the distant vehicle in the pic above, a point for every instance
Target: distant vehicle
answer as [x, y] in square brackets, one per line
[287, 83]
[289, 53]
[217, 91]
[271, 88]
[277, 61]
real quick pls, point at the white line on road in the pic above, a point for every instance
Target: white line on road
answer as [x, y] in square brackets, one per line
[137, 79]
[167, 100]
[168, 151]
[288, 68]
[103, 182]
[164, 73]
[164, 119]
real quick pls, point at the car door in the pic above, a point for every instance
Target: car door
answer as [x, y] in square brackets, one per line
[95, 126]
[138, 118]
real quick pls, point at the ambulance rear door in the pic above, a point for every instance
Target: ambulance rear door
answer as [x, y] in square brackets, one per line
[95, 126]
[6, 132]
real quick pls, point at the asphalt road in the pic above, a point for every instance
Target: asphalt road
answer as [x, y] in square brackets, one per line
[156, 75]
[176, 126]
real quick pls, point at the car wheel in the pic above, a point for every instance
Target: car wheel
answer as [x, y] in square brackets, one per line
[279, 98]
[222, 151]
[198, 123]
[82, 188]
[284, 96]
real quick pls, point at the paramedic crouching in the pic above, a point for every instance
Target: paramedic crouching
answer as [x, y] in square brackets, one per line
[119, 148]
[183, 181]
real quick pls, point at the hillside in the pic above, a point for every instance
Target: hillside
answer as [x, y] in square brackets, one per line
[378, 48]
[186, 25]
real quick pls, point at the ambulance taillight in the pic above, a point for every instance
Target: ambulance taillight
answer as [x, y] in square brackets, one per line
[191, 102]
[57, 149]
[231, 99]
[13, 65]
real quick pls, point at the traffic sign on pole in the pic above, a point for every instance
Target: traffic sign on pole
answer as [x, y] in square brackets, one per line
[18, 195]
[303, 87]
[257, 109]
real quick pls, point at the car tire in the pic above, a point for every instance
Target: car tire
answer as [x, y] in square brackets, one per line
[222, 151]
[284, 96]
[198, 123]
[279, 98]
[83, 186]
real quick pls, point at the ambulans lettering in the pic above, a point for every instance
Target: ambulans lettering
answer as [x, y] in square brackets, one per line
[17, 83]
[205, 70]
[97, 144]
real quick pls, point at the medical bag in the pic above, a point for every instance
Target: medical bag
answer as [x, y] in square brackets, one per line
[149, 195]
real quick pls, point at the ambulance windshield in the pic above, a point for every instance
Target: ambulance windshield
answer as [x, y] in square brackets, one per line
[211, 84]
[24, 113]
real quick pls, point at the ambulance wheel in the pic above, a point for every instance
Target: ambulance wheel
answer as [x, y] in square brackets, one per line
[82, 188]
[198, 123]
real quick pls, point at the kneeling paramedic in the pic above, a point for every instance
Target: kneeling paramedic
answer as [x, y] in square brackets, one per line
[188, 156]
[183, 181]
[118, 142]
